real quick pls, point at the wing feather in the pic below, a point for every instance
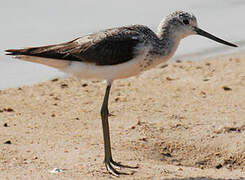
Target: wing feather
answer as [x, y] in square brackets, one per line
[109, 47]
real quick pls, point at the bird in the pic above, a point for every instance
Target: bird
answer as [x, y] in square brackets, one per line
[116, 53]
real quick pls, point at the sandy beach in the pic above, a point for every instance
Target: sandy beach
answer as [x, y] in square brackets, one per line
[184, 120]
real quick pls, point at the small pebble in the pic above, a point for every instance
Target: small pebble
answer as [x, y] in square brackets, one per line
[143, 139]
[54, 80]
[167, 154]
[226, 88]
[218, 166]
[64, 85]
[56, 170]
[8, 142]
[5, 125]
[8, 110]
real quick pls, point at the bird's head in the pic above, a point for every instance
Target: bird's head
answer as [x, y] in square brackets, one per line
[182, 24]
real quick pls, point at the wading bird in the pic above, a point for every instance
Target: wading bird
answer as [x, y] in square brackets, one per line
[114, 54]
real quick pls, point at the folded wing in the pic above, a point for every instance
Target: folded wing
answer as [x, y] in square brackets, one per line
[110, 47]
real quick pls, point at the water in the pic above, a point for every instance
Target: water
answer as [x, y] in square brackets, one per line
[33, 23]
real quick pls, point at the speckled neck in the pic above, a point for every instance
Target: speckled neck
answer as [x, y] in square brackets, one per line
[169, 39]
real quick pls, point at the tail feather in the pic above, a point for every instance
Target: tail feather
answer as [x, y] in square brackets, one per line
[56, 56]
[52, 51]
[37, 55]
[15, 51]
[57, 51]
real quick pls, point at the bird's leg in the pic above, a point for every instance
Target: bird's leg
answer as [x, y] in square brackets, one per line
[106, 134]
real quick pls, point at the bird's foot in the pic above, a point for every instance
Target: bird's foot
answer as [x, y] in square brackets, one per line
[118, 164]
[109, 166]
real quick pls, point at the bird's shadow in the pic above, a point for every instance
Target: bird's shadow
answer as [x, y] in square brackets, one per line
[201, 178]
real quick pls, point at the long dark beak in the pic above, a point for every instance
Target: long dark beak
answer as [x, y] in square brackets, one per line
[210, 36]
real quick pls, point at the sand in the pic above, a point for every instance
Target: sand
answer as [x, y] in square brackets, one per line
[184, 120]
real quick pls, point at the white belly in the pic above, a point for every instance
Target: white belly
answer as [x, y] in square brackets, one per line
[111, 72]
[92, 71]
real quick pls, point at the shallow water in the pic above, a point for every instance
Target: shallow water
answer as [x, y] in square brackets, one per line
[33, 23]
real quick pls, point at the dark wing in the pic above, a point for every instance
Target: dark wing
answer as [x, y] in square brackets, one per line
[110, 47]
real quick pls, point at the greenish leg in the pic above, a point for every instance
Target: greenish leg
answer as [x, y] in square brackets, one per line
[106, 134]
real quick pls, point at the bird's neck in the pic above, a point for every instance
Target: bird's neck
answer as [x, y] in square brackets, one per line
[168, 39]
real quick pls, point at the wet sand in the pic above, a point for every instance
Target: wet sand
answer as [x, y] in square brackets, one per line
[178, 121]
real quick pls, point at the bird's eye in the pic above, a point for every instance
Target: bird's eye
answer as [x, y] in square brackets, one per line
[186, 21]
